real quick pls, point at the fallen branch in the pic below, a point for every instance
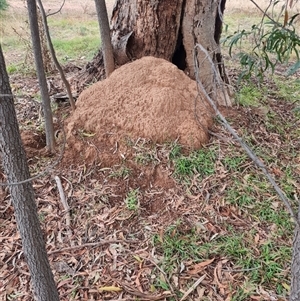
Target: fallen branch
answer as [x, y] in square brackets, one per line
[66, 207]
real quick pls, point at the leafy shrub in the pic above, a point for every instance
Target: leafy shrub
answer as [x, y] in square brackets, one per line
[273, 42]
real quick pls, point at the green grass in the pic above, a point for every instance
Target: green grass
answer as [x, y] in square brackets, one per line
[199, 162]
[262, 264]
[261, 254]
[287, 88]
[250, 95]
[75, 48]
[177, 246]
[132, 200]
[74, 37]
[234, 163]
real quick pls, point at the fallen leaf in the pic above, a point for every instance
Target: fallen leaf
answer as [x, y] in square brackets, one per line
[110, 289]
[200, 266]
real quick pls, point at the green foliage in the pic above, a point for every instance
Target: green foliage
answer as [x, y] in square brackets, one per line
[273, 42]
[3, 5]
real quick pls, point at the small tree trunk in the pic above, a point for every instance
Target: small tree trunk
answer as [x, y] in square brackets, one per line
[22, 195]
[54, 58]
[38, 58]
[108, 56]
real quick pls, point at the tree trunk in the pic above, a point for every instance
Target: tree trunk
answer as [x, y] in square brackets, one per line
[38, 58]
[53, 55]
[170, 29]
[154, 25]
[108, 57]
[202, 24]
[22, 195]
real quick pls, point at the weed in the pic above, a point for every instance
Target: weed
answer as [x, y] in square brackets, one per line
[289, 89]
[122, 172]
[175, 151]
[250, 95]
[201, 162]
[132, 200]
[176, 246]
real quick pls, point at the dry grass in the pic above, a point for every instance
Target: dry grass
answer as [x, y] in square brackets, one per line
[78, 18]
[237, 5]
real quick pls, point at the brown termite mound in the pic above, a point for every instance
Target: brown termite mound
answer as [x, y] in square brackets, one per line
[150, 99]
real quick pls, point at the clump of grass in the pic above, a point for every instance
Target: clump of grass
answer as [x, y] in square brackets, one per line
[120, 172]
[176, 246]
[250, 95]
[201, 162]
[132, 200]
[287, 89]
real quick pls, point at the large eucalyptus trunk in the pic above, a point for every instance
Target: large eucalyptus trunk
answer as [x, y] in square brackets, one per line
[170, 29]
[146, 28]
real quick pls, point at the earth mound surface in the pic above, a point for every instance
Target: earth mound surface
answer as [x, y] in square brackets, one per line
[149, 98]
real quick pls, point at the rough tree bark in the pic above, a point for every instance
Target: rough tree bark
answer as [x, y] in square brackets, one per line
[108, 56]
[170, 29]
[22, 195]
[38, 58]
[153, 27]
